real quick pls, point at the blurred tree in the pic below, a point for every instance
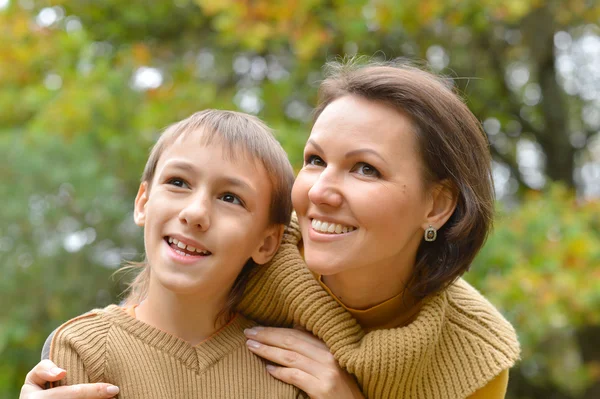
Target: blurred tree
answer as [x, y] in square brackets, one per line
[85, 87]
[507, 50]
[541, 268]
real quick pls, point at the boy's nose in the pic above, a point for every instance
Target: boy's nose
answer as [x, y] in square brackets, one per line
[196, 214]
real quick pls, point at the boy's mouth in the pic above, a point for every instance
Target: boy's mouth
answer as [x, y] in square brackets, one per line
[185, 250]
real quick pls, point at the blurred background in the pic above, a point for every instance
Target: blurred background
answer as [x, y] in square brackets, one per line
[86, 87]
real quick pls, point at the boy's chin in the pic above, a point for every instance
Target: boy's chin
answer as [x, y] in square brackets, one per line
[176, 285]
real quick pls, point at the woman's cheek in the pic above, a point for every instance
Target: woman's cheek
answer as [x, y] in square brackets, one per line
[300, 192]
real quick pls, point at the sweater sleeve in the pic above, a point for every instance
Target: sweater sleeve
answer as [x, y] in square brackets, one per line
[78, 347]
[284, 292]
[495, 389]
[65, 356]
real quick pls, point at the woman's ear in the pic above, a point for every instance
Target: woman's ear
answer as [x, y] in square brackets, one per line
[444, 196]
[269, 245]
[141, 199]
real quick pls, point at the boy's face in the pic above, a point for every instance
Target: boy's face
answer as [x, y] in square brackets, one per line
[216, 208]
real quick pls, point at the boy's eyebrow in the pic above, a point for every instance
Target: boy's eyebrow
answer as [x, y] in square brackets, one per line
[233, 181]
[180, 165]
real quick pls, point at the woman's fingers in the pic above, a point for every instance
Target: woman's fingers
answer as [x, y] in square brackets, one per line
[284, 357]
[295, 377]
[287, 338]
[43, 372]
[82, 391]
[303, 361]
[46, 371]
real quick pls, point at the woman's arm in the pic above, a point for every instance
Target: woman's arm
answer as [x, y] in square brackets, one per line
[283, 292]
[46, 371]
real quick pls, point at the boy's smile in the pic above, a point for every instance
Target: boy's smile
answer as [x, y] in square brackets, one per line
[205, 214]
[186, 250]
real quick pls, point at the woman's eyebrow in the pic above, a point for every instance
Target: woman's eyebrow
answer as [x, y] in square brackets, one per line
[361, 151]
[314, 144]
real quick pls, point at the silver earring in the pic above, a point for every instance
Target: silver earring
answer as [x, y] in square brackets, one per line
[430, 234]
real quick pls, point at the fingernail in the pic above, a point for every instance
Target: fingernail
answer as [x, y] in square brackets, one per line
[270, 368]
[54, 371]
[253, 344]
[112, 390]
[250, 331]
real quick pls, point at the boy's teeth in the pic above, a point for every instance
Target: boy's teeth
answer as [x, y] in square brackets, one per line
[331, 228]
[181, 245]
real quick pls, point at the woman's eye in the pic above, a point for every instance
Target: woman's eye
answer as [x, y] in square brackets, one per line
[365, 169]
[177, 182]
[234, 199]
[314, 160]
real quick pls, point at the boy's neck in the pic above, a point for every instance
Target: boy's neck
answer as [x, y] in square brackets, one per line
[188, 317]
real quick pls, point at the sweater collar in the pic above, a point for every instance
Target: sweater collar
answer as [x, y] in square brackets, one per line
[397, 311]
[199, 357]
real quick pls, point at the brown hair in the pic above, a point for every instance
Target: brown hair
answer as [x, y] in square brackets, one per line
[454, 151]
[235, 131]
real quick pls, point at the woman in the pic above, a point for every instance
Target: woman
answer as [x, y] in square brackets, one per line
[394, 201]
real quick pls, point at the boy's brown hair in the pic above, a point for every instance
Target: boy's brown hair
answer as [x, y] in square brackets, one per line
[453, 149]
[241, 135]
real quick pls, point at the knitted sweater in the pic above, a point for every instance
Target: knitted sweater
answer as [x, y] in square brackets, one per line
[108, 345]
[456, 345]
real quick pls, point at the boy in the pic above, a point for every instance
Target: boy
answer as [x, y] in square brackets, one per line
[213, 201]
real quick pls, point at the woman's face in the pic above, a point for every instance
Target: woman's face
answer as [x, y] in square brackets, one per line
[360, 197]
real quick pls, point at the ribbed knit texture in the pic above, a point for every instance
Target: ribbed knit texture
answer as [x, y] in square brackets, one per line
[108, 345]
[456, 345]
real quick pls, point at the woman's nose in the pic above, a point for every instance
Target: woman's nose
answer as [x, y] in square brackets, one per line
[326, 190]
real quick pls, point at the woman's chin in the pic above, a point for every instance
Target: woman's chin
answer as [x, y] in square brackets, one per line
[322, 267]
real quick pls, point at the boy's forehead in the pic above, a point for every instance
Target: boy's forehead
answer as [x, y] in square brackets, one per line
[191, 140]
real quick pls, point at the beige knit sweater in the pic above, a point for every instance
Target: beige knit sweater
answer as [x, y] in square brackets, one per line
[108, 345]
[456, 345]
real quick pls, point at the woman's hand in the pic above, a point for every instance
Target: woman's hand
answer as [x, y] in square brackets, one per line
[46, 371]
[305, 362]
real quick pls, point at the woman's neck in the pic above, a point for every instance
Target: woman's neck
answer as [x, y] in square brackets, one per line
[185, 316]
[362, 288]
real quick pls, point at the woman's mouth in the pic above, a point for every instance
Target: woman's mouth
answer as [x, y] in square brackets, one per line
[330, 228]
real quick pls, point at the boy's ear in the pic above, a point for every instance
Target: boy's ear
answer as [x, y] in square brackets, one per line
[269, 245]
[141, 199]
[444, 197]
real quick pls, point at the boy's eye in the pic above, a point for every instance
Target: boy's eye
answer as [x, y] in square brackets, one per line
[234, 199]
[176, 181]
[314, 160]
[365, 169]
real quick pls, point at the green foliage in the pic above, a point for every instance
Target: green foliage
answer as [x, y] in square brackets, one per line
[76, 126]
[540, 267]
[66, 225]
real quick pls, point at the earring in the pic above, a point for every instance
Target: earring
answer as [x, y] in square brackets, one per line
[430, 234]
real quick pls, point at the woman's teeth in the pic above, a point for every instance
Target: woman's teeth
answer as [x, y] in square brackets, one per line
[189, 248]
[331, 228]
